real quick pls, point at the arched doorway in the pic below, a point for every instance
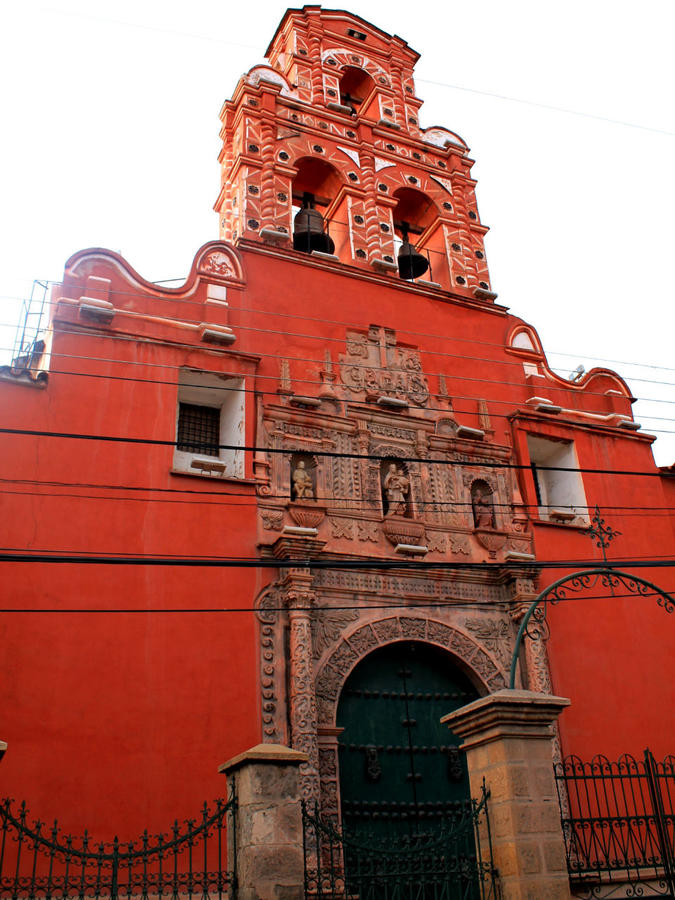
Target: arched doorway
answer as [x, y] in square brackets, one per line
[400, 770]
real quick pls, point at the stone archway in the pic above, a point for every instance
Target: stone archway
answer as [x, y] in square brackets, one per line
[485, 672]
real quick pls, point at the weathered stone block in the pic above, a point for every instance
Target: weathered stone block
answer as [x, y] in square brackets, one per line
[508, 739]
[554, 857]
[269, 859]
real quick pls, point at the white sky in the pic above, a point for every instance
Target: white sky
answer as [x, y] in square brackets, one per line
[110, 138]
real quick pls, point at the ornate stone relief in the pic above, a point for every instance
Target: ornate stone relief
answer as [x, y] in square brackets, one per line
[328, 626]
[436, 542]
[496, 635]
[357, 644]
[342, 528]
[375, 365]
[272, 520]
[368, 531]
[269, 675]
[217, 263]
[460, 544]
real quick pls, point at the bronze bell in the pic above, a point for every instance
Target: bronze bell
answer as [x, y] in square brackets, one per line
[308, 233]
[411, 264]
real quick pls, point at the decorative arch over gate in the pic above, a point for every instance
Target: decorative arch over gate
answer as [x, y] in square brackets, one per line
[483, 670]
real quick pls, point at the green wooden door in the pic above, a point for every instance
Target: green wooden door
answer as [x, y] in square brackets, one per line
[400, 769]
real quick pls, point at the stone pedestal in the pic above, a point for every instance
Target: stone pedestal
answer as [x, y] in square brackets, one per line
[269, 862]
[508, 739]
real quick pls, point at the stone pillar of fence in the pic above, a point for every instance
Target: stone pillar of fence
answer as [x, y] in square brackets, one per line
[265, 833]
[508, 739]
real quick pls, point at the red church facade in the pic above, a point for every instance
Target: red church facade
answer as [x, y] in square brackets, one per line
[220, 500]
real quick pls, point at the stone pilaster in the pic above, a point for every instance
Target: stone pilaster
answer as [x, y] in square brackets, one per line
[370, 198]
[302, 699]
[267, 823]
[508, 738]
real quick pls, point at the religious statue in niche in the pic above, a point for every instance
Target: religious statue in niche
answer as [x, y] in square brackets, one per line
[482, 505]
[396, 485]
[302, 483]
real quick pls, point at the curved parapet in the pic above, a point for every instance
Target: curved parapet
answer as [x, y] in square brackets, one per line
[271, 76]
[523, 342]
[214, 261]
[441, 137]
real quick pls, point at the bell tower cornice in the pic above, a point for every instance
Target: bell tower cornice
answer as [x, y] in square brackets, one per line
[323, 153]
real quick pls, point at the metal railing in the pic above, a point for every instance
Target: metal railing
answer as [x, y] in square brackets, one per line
[618, 819]
[31, 323]
[451, 862]
[38, 861]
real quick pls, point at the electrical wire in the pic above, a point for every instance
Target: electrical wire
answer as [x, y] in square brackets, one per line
[315, 609]
[270, 313]
[547, 106]
[330, 454]
[322, 562]
[443, 84]
[651, 513]
[307, 381]
[223, 389]
[344, 560]
[283, 497]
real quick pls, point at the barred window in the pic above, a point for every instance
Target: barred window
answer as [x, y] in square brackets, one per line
[198, 429]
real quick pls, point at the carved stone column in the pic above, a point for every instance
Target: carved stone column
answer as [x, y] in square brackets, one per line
[267, 205]
[296, 589]
[328, 771]
[537, 671]
[372, 223]
[302, 699]
[397, 87]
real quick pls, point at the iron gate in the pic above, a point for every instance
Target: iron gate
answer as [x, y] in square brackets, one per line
[38, 861]
[619, 824]
[452, 862]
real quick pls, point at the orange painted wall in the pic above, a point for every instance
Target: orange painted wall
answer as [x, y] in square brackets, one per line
[117, 721]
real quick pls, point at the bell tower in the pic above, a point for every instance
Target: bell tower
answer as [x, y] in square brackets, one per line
[323, 153]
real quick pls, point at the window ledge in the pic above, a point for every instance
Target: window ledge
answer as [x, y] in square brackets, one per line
[213, 478]
[574, 526]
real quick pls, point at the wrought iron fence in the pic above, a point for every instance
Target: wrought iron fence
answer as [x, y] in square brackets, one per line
[619, 824]
[453, 862]
[38, 861]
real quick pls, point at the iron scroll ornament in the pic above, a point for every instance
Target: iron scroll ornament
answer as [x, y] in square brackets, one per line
[578, 581]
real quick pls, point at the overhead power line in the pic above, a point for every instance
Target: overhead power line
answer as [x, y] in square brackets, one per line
[332, 454]
[443, 84]
[320, 563]
[449, 376]
[210, 498]
[276, 314]
[547, 106]
[315, 609]
[222, 389]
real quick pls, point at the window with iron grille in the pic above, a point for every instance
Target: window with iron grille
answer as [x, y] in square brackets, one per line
[198, 429]
[210, 425]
